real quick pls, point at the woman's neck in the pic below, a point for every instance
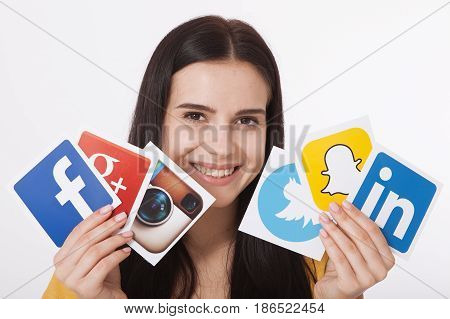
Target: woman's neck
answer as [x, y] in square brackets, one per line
[214, 230]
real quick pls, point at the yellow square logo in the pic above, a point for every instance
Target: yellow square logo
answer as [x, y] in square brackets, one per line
[332, 164]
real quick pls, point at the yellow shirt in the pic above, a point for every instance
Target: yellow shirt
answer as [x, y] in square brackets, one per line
[57, 290]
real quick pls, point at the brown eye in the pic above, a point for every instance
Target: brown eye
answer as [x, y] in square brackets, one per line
[194, 116]
[247, 121]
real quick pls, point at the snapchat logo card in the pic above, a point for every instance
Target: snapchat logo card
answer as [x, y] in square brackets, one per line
[333, 160]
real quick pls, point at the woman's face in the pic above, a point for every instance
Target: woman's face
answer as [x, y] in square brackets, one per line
[215, 125]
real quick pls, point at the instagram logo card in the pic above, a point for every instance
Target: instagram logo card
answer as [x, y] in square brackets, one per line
[172, 203]
[63, 189]
[397, 196]
[124, 167]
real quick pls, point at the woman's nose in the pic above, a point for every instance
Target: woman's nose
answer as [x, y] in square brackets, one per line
[218, 140]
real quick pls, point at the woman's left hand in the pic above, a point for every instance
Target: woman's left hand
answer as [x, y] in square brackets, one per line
[359, 256]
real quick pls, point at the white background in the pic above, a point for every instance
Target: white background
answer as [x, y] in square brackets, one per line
[48, 92]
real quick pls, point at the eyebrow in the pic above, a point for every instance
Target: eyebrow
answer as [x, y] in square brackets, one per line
[200, 107]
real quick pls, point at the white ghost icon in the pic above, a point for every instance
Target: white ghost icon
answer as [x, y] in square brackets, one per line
[342, 170]
[297, 208]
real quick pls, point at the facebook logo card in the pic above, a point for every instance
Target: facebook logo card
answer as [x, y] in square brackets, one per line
[62, 189]
[397, 196]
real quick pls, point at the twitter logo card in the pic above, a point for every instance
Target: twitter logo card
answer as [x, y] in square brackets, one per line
[280, 211]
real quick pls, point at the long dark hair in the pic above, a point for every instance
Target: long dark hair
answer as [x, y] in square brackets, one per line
[259, 269]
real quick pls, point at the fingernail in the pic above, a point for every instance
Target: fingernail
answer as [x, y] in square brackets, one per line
[105, 210]
[346, 204]
[334, 207]
[127, 233]
[126, 249]
[324, 219]
[120, 217]
[323, 233]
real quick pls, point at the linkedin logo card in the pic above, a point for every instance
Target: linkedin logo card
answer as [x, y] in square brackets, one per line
[397, 196]
[62, 189]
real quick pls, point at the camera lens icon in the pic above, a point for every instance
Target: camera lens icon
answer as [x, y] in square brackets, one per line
[156, 208]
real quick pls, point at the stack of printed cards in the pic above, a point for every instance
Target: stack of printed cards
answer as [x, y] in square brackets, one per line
[339, 163]
[161, 200]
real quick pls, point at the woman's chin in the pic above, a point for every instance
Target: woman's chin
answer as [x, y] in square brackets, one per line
[222, 202]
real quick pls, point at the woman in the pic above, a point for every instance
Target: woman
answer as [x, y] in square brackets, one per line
[211, 99]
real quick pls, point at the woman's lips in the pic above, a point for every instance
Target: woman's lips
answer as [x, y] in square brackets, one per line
[215, 174]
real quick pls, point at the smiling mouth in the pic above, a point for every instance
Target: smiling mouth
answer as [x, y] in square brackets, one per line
[215, 173]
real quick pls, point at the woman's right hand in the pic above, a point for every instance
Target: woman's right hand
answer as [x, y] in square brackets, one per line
[88, 262]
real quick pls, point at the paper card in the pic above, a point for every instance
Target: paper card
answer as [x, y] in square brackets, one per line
[125, 167]
[333, 158]
[173, 202]
[397, 196]
[62, 189]
[279, 211]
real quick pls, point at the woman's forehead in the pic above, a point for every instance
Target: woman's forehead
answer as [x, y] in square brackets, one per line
[219, 84]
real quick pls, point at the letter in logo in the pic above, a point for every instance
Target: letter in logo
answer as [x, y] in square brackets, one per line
[108, 170]
[392, 202]
[70, 190]
[109, 163]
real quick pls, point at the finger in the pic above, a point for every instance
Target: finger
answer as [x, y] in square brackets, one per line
[98, 274]
[350, 251]
[343, 267]
[97, 252]
[83, 227]
[373, 231]
[362, 241]
[96, 235]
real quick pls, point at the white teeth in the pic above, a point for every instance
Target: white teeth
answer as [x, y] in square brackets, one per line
[218, 173]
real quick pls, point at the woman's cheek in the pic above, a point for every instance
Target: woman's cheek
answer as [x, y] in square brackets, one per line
[254, 149]
[179, 140]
